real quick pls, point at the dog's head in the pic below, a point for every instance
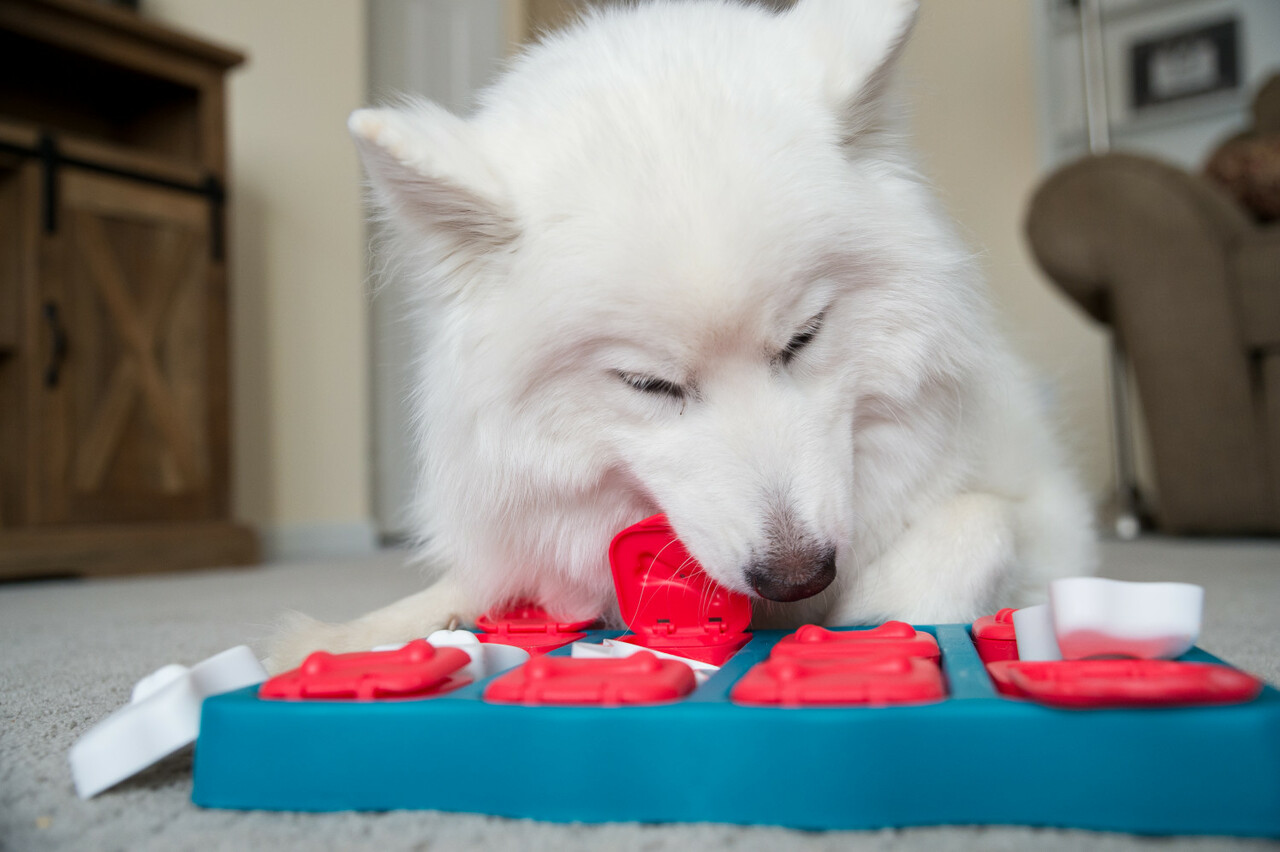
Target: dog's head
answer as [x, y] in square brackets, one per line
[666, 259]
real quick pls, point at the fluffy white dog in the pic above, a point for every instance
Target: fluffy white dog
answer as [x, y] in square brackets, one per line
[680, 260]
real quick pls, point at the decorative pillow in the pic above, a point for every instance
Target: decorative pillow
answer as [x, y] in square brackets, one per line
[1249, 168]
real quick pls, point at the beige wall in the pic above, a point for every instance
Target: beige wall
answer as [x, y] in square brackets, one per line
[301, 354]
[300, 340]
[971, 82]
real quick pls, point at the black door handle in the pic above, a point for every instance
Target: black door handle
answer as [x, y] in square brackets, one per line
[58, 347]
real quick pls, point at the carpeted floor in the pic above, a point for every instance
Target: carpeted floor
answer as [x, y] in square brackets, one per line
[73, 649]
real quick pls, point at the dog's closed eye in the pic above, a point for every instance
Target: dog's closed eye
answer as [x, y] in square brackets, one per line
[654, 385]
[802, 338]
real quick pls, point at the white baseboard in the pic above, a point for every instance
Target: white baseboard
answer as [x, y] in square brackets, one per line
[296, 542]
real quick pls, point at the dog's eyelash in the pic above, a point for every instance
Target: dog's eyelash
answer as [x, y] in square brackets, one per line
[655, 386]
[802, 339]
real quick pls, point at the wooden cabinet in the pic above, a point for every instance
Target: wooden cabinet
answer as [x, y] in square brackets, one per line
[114, 435]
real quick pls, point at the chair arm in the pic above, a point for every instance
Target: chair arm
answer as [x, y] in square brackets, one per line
[1257, 268]
[1097, 219]
[1151, 250]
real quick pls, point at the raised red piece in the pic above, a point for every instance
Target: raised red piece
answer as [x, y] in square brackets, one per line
[641, 678]
[1123, 683]
[669, 602]
[1001, 674]
[414, 671]
[891, 639]
[875, 681]
[528, 626]
[993, 636]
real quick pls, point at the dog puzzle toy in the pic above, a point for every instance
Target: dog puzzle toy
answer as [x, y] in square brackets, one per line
[889, 725]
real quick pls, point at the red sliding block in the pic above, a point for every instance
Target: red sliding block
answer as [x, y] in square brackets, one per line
[414, 671]
[641, 678]
[872, 681]
[891, 639]
[1123, 683]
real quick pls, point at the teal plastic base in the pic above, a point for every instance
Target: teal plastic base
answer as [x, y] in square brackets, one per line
[974, 758]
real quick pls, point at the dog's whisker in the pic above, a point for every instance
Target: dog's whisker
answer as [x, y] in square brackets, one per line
[649, 570]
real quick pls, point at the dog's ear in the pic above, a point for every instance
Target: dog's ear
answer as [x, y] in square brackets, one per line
[861, 41]
[427, 174]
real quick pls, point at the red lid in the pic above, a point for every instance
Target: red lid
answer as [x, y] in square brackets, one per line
[998, 626]
[416, 670]
[871, 681]
[665, 596]
[893, 638]
[715, 650]
[641, 678]
[994, 650]
[1126, 683]
[525, 617]
[535, 643]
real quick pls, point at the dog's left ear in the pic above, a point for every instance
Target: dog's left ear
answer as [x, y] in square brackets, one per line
[861, 41]
[427, 172]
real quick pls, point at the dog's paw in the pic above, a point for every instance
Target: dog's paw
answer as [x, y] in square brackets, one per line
[297, 635]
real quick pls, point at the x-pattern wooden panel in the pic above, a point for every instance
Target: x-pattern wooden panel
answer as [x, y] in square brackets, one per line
[177, 262]
[114, 429]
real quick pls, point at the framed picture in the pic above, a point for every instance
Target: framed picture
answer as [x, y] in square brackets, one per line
[1185, 64]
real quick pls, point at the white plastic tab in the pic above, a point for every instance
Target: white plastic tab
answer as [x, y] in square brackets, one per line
[1094, 617]
[612, 648]
[162, 716]
[1033, 630]
[487, 659]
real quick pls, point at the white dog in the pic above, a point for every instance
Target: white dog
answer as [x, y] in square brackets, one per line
[679, 260]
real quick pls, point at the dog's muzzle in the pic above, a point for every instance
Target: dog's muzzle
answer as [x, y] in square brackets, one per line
[793, 576]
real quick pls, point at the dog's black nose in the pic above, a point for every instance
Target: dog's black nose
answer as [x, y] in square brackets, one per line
[793, 576]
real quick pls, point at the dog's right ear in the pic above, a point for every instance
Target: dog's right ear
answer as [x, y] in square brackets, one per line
[427, 174]
[861, 42]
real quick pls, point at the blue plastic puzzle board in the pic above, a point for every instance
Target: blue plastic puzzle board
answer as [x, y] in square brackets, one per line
[976, 757]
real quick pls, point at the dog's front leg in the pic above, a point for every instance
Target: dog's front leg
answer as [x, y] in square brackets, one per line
[953, 565]
[409, 618]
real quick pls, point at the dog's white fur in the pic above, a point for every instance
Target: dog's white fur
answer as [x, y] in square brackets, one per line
[673, 191]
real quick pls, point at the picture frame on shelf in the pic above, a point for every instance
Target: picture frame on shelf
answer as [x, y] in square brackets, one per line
[1182, 65]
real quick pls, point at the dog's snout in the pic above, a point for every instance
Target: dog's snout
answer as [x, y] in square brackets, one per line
[795, 575]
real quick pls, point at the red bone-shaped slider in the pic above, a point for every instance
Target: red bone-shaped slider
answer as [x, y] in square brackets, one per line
[414, 671]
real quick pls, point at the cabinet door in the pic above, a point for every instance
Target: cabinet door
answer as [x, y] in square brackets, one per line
[19, 246]
[131, 421]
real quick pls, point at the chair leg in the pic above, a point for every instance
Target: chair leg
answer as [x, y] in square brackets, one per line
[1128, 499]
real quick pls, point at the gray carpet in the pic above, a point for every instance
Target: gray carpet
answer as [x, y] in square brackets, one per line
[73, 649]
